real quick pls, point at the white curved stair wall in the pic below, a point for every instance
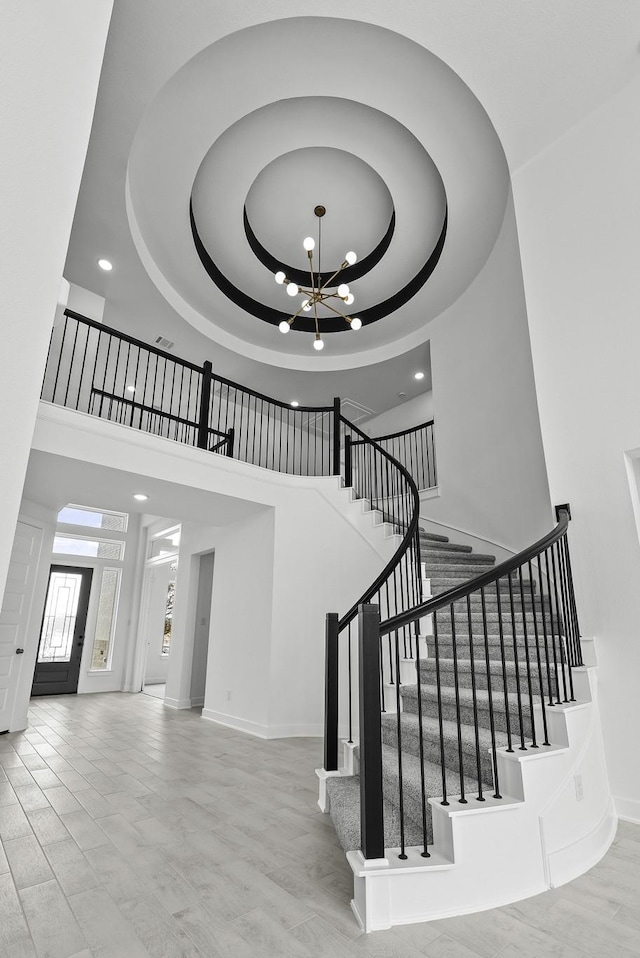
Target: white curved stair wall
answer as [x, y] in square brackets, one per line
[555, 821]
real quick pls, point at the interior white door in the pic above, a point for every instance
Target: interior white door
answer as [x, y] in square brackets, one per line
[16, 613]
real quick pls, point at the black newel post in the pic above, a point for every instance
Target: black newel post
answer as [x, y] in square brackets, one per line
[203, 414]
[336, 437]
[371, 809]
[230, 440]
[331, 693]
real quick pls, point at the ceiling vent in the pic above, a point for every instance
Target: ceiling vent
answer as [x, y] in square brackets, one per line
[163, 342]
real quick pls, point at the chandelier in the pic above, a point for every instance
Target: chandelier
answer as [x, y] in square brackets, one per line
[326, 293]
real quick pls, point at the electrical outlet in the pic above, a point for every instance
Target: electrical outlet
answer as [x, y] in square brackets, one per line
[579, 788]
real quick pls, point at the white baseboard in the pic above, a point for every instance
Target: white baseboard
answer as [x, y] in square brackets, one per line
[628, 809]
[575, 859]
[177, 703]
[232, 721]
[263, 731]
[197, 702]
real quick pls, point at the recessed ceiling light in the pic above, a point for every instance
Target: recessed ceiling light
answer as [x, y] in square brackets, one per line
[131, 389]
[105, 265]
[294, 403]
[418, 375]
[140, 496]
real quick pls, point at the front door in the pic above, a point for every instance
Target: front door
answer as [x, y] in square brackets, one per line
[62, 632]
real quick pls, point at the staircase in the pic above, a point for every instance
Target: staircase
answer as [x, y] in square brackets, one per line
[445, 564]
[464, 742]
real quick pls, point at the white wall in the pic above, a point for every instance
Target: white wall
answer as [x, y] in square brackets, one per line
[300, 549]
[578, 209]
[50, 59]
[238, 686]
[491, 469]
[414, 412]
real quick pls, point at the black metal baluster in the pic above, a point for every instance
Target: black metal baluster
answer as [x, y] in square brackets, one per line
[492, 724]
[350, 686]
[539, 660]
[514, 637]
[440, 719]
[423, 789]
[574, 608]
[474, 697]
[73, 352]
[525, 633]
[63, 341]
[84, 359]
[544, 633]
[456, 682]
[552, 625]
[568, 694]
[402, 854]
[504, 668]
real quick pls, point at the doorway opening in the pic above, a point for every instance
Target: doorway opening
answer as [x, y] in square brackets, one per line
[62, 632]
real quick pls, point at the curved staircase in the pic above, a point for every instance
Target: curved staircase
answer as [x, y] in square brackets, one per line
[485, 690]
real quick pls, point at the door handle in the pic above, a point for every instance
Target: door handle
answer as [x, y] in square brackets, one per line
[19, 651]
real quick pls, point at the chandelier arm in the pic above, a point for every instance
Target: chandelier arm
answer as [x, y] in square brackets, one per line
[329, 282]
[313, 282]
[295, 315]
[315, 317]
[337, 311]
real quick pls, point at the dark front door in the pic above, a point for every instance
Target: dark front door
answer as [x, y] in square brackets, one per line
[62, 633]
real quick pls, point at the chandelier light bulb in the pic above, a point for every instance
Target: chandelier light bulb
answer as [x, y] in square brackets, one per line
[349, 299]
[292, 289]
[284, 326]
[317, 343]
[350, 257]
[280, 277]
[306, 305]
[309, 243]
[356, 323]
[343, 290]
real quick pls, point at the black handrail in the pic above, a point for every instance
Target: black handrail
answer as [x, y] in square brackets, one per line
[478, 582]
[99, 370]
[409, 535]
[415, 449]
[397, 435]
[125, 337]
[491, 657]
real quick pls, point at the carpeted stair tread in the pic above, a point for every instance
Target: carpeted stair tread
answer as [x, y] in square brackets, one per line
[344, 808]
[432, 536]
[431, 741]
[438, 557]
[465, 568]
[435, 546]
[412, 785]
[428, 671]
[465, 709]
[465, 696]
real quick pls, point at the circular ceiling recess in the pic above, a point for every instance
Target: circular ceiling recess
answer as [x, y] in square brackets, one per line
[278, 213]
[281, 201]
[408, 167]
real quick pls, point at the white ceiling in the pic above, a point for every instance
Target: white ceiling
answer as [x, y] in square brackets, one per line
[418, 90]
[53, 481]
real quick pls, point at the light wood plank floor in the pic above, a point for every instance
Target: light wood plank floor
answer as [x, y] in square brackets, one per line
[129, 830]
